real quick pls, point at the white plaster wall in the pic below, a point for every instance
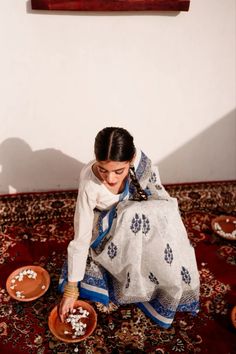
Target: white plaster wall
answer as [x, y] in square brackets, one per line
[169, 78]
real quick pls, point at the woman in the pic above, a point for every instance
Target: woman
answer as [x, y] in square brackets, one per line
[130, 244]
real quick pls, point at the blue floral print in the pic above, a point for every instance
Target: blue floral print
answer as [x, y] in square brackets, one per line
[127, 280]
[112, 250]
[153, 178]
[146, 225]
[136, 224]
[153, 278]
[168, 254]
[185, 275]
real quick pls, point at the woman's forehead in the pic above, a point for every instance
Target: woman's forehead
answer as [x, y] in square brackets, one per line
[113, 165]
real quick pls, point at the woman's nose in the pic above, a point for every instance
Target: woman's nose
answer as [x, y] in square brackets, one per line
[110, 177]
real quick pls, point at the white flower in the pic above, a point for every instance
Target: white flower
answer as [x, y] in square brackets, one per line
[77, 325]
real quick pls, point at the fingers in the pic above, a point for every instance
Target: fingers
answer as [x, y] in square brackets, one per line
[62, 315]
[60, 312]
[63, 312]
[65, 307]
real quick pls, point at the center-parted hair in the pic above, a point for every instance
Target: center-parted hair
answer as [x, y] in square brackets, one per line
[114, 144]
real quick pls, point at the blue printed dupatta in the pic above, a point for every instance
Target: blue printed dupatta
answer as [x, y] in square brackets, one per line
[141, 253]
[95, 285]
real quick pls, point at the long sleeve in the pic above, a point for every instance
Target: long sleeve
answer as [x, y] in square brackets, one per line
[83, 224]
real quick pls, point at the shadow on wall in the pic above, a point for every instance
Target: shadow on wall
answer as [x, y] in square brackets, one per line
[209, 156]
[24, 170]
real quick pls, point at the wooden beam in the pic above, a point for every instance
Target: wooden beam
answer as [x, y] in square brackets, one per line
[111, 5]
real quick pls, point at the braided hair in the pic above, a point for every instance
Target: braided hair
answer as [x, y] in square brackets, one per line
[117, 144]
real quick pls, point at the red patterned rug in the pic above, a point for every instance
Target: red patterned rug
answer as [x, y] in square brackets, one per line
[36, 228]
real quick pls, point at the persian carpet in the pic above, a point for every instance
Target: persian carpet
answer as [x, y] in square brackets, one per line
[35, 228]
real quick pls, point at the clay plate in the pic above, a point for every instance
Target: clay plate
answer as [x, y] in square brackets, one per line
[29, 287]
[233, 316]
[57, 327]
[225, 226]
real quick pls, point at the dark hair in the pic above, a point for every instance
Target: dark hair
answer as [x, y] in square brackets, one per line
[114, 144]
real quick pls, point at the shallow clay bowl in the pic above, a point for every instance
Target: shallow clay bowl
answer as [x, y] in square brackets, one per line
[233, 316]
[58, 328]
[227, 224]
[30, 288]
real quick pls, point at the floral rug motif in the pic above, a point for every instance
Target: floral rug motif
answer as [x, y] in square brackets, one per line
[35, 228]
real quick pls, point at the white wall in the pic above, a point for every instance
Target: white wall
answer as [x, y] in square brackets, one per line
[169, 78]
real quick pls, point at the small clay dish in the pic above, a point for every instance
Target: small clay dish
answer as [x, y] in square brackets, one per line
[28, 283]
[233, 316]
[225, 226]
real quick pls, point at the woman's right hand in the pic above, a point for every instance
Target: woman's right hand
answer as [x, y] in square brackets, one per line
[66, 306]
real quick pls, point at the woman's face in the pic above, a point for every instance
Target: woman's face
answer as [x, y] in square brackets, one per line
[112, 173]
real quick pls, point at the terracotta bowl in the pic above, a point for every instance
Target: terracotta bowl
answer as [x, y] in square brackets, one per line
[58, 328]
[29, 288]
[225, 226]
[233, 316]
